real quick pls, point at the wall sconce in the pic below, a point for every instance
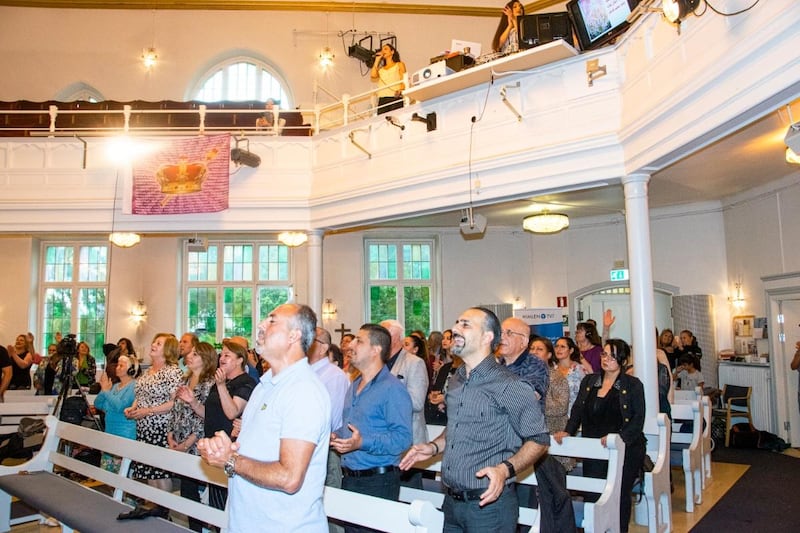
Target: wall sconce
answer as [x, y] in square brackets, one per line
[328, 310]
[737, 299]
[149, 57]
[292, 239]
[139, 311]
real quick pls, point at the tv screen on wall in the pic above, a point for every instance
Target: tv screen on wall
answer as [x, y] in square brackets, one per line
[598, 22]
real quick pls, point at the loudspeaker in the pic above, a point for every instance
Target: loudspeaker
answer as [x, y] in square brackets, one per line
[478, 224]
[434, 70]
[542, 28]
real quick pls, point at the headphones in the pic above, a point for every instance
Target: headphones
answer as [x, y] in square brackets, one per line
[133, 367]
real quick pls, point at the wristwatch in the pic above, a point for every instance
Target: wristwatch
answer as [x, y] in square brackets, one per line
[230, 465]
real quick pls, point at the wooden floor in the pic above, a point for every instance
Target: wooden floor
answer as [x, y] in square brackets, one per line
[724, 476]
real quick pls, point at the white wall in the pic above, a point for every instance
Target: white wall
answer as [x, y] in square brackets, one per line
[104, 48]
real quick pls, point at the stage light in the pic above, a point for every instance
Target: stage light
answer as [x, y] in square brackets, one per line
[677, 10]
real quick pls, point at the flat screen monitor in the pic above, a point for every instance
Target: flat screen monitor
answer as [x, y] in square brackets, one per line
[597, 22]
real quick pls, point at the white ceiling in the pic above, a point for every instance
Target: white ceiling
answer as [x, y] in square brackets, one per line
[752, 156]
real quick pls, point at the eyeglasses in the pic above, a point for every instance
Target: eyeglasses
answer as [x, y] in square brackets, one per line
[509, 332]
[606, 355]
[320, 341]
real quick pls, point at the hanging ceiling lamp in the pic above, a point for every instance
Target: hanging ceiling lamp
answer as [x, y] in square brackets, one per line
[545, 223]
[124, 239]
[293, 238]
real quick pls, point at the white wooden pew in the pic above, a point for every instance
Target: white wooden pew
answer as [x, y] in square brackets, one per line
[67, 501]
[689, 446]
[12, 412]
[599, 516]
[706, 442]
[655, 507]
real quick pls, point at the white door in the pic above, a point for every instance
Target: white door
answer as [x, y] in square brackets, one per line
[786, 378]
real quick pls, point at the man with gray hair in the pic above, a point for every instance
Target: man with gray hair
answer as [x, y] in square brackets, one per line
[279, 462]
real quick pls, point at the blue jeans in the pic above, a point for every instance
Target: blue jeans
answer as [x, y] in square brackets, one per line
[386, 486]
[499, 516]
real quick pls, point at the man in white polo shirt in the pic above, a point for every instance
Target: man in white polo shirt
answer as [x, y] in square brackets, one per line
[278, 464]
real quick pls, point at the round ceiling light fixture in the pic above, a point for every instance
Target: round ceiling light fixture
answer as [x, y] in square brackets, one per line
[545, 223]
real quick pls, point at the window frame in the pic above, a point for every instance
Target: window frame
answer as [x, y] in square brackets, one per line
[220, 284]
[285, 94]
[75, 286]
[434, 282]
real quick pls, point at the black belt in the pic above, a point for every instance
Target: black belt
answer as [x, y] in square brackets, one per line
[465, 495]
[369, 471]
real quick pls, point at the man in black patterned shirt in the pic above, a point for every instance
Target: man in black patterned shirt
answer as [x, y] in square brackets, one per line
[493, 431]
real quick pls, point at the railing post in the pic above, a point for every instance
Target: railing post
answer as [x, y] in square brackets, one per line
[345, 108]
[53, 114]
[317, 118]
[202, 110]
[126, 113]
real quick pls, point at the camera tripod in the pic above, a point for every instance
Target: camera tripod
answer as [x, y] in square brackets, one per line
[68, 381]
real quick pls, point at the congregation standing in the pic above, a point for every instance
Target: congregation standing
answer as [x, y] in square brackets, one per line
[361, 424]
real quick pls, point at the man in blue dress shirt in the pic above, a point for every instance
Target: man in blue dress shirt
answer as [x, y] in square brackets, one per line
[376, 421]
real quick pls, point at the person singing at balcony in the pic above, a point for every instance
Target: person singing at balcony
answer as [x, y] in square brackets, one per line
[388, 72]
[506, 38]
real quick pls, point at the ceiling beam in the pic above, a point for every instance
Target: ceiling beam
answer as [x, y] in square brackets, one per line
[282, 5]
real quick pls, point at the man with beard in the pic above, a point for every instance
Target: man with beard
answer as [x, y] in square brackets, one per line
[493, 431]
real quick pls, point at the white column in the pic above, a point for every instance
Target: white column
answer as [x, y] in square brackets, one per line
[315, 272]
[640, 265]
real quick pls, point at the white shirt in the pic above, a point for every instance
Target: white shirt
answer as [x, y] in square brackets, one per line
[337, 382]
[292, 405]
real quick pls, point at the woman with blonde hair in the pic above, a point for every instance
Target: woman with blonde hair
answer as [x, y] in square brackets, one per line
[154, 396]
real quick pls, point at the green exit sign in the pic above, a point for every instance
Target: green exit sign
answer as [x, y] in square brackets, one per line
[619, 274]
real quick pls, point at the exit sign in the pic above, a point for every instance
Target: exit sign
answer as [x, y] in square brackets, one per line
[619, 274]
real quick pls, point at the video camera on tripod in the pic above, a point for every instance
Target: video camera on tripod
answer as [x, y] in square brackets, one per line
[72, 409]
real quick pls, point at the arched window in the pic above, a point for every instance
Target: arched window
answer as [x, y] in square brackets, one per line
[242, 78]
[79, 91]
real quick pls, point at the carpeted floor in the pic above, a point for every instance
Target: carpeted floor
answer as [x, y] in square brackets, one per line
[766, 498]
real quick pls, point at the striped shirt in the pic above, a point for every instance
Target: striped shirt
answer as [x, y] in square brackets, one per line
[489, 416]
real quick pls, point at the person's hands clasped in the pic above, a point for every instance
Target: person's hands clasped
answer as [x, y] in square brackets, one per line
[345, 445]
[219, 377]
[218, 449]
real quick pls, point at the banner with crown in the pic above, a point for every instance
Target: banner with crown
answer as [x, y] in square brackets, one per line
[183, 176]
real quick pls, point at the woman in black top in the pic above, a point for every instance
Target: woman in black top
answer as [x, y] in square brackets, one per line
[226, 401]
[612, 402]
